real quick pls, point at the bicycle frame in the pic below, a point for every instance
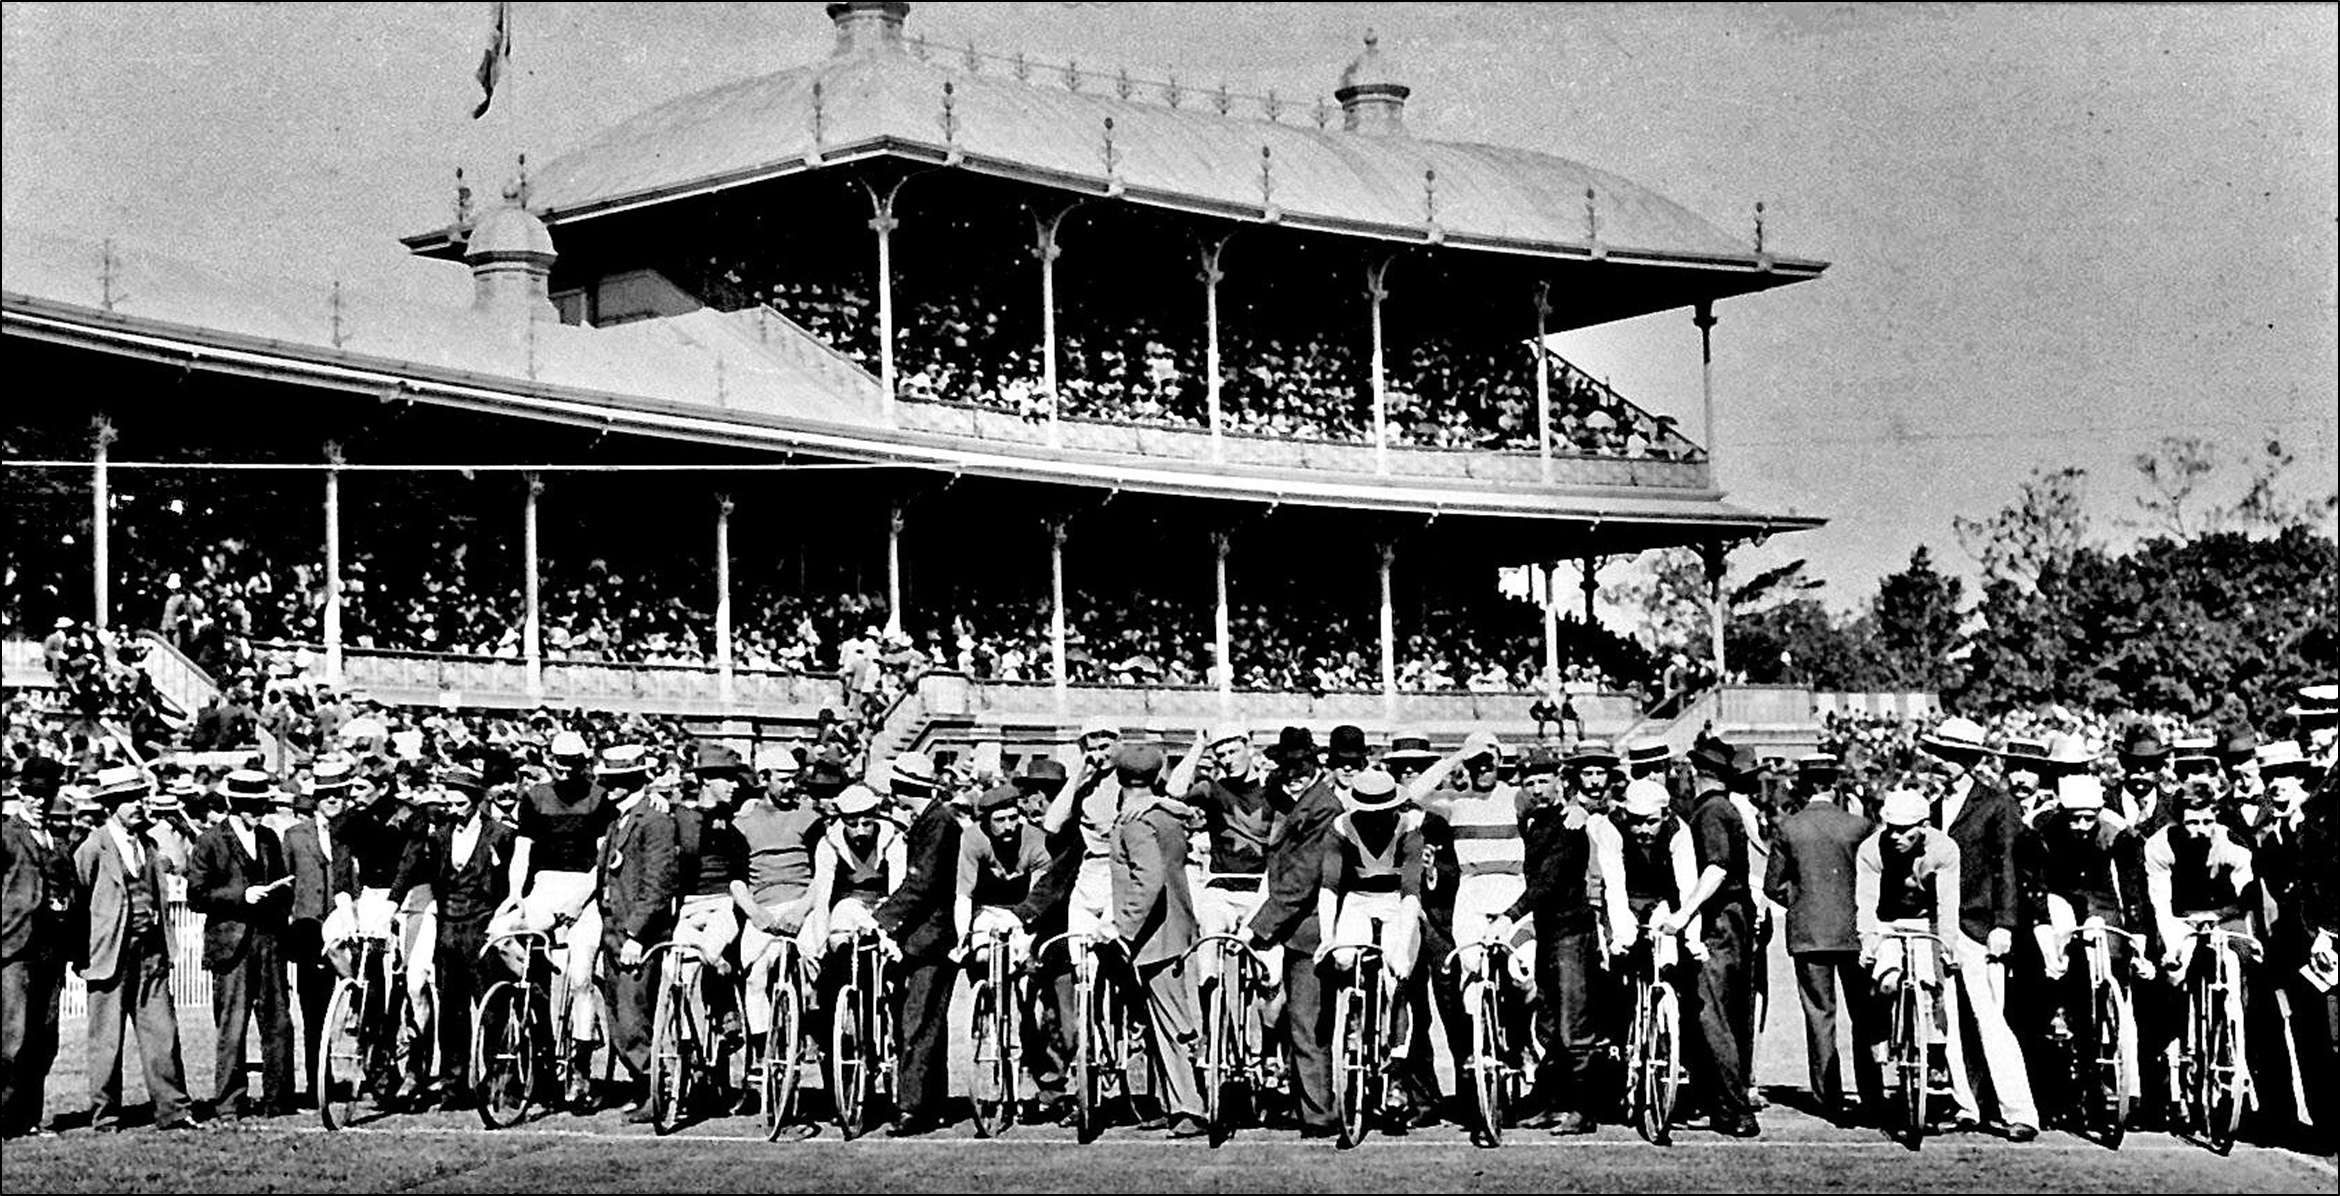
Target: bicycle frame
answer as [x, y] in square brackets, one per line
[1910, 1025]
[864, 1010]
[2106, 1106]
[1227, 1023]
[995, 1044]
[2213, 1075]
[1493, 1075]
[1100, 1058]
[1361, 1074]
[679, 1028]
[1653, 1073]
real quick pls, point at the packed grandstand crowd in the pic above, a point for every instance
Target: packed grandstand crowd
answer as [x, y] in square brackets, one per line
[1442, 394]
[228, 605]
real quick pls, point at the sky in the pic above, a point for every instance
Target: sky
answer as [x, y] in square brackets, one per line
[2058, 233]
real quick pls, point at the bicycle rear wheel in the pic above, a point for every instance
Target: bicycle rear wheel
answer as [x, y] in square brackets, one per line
[670, 1061]
[1218, 1032]
[1662, 1066]
[1088, 1086]
[503, 1059]
[341, 1055]
[783, 1059]
[2109, 1098]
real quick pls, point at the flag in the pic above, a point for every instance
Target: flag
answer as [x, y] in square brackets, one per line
[491, 63]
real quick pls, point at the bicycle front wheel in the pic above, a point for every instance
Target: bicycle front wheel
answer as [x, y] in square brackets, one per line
[1909, 1059]
[341, 1055]
[849, 1077]
[993, 1083]
[2223, 1067]
[670, 1062]
[503, 1059]
[1351, 1059]
[2109, 1100]
[783, 1059]
[1661, 1066]
[1487, 1078]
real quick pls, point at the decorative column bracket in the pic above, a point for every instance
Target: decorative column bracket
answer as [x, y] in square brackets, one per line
[1543, 351]
[1375, 292]
[883, 222]
[1046, 248]
[1210, 254]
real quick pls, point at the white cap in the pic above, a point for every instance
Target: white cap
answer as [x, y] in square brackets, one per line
[1646, 798]
[856, 800]
[1906, 807]
[1226, 731]
[2080, 793]
[569, 744]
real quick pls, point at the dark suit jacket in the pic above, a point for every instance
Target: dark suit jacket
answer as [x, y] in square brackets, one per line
[921, 915]
[640, 878]
[104, 901]
[218, 872]
[1296, 869]
[1984, 830]
[467, 890]
[1812, 876]
[36, 894]
[1152, 906]
[315, 878]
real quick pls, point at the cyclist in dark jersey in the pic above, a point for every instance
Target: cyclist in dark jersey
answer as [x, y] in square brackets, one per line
[555, 853]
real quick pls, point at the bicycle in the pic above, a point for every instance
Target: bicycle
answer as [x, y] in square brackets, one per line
[1653, 1038]
[1362, 1017]
[679, 1035]
[780, 1078]
[1909, 1030]
[370, 1037]
[861, 1033]
[518, 1020]
[2102, 1073]
[1496, 1082]
[1233, 1018]
[1101, 1050]
[996, 993]
[2214, 1082]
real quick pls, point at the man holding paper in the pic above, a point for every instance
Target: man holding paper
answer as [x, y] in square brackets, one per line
[238, 879]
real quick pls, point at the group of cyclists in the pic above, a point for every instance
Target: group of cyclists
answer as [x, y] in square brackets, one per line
[1197, 937]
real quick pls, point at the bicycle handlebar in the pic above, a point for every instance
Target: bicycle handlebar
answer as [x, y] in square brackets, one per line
[1484, 946]
[705, 957]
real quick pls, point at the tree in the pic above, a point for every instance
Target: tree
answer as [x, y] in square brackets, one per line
[2038, 534]
[1917, 619]
[2174, 470]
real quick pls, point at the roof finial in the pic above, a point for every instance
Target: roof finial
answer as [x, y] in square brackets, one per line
[521, 196]
[1758, 226]
[462, 200]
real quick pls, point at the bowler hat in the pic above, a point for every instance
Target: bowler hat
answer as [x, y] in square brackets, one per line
[2141, 747]
[1347, 747]
[1294, 743]
[1712, 759]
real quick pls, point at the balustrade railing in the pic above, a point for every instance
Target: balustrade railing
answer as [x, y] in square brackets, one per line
[1081, 434]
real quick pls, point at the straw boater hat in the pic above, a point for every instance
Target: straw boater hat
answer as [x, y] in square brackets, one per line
[1592, 753]
[1954, 738]
[1646, 750]
[118, 784]
[2281, 758]
[1409, 748]
[248, 787]
[2029, 755]
[1374, 790]
[2317, 703]
[2194, 749]
[623, 762]
[2068, 753]
[2141, 747]
[1819, 768]
[911, 770]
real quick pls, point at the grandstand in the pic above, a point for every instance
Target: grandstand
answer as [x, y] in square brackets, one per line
[1068, 395]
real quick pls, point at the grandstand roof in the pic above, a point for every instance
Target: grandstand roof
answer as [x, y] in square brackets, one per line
[891, 101]
[704, 376]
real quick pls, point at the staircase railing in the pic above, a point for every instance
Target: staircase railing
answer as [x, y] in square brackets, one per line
[796, 345]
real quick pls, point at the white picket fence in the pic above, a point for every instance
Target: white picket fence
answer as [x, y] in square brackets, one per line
[190, 983]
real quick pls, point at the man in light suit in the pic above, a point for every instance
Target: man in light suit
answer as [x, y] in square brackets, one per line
[1982, 820]
[36, 916]
[1811, 875]
[126, 961]
[1153, 916]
